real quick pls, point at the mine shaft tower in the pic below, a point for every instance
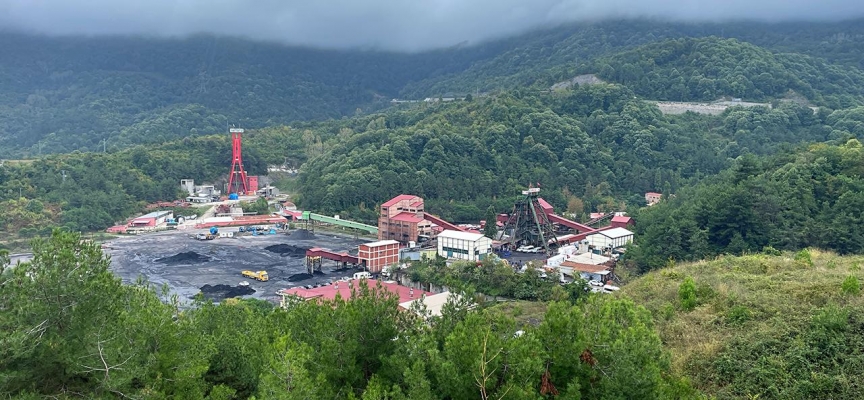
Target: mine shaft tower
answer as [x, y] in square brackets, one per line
[528, 224]
[237, 176]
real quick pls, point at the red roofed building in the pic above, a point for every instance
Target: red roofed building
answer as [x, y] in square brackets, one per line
[347, 289]
[401, 219]
[620, 221]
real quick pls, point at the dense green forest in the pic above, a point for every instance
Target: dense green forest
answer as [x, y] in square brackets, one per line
[540, 59]
[71, 329]
[596, 141]
[707, 69]
[591, 147]
[789, 201]
[66, 94]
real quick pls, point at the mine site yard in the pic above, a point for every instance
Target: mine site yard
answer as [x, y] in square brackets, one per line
[213, 267]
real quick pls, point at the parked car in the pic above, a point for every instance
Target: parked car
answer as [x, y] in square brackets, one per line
[610, 288]
[523, 249]
[595, 283]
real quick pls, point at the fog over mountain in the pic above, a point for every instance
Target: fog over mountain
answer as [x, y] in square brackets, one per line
[384, 24]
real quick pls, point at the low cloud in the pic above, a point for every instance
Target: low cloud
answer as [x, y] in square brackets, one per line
[387, 24]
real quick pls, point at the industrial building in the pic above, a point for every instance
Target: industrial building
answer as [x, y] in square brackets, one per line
[377, 255]
[610, 238]
[402, 219]
[456, 245]
[151, 220]
[346, 289]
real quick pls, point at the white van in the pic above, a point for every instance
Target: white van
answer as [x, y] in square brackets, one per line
[362, 275]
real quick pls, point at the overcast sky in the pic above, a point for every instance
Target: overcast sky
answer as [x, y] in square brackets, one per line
[386, 24]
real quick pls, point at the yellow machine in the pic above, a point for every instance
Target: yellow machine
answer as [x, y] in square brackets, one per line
[259, 275]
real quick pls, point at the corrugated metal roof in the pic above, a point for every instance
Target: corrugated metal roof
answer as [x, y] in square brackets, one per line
[615, 233]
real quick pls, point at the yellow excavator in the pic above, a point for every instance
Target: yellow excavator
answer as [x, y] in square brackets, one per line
[257, 275]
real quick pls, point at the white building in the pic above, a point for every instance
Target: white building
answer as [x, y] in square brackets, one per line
[456, 245]
[611, 238]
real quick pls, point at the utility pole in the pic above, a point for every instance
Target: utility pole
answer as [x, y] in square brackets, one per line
[103, 145]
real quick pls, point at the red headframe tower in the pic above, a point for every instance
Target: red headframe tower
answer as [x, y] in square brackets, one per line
[237, 177]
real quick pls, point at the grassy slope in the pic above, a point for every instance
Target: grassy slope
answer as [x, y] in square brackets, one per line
[782, 297]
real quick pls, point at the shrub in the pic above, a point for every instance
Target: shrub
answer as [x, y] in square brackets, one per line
[803, 257]
[687, 294]
[851, 286]
[768, 250]
[738, 315]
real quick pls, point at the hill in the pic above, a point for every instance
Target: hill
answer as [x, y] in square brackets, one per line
[542, 58]
[789, 201]
[64, 94]
[774, 326]
[591, 147]
[708, 68]
[69, 93]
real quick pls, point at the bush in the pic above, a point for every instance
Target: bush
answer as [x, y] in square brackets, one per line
[738, 315]
[803, 257]
[851, 286]
[687, 294]
[768, 250]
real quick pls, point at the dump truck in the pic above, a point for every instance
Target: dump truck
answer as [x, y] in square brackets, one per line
[257, 275]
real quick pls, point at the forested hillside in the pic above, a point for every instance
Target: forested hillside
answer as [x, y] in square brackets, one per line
[790, 201]
[66, 94]
[543, 58]
[591, 148]
[707, 69]
[101, 189]
[598, 142]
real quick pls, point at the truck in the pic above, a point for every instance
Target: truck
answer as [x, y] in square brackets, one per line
[214, 233]
[257, 275]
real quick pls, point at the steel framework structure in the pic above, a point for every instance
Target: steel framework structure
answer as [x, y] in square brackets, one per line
[237, 176]
[528, 224]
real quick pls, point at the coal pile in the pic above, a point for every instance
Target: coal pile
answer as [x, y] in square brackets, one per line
[299, 277]
[219, 292]
[287, 250]
[186, 257]
[302, 234]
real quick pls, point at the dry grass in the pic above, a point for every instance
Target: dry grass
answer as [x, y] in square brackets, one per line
[754, 293]
[524, 312]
